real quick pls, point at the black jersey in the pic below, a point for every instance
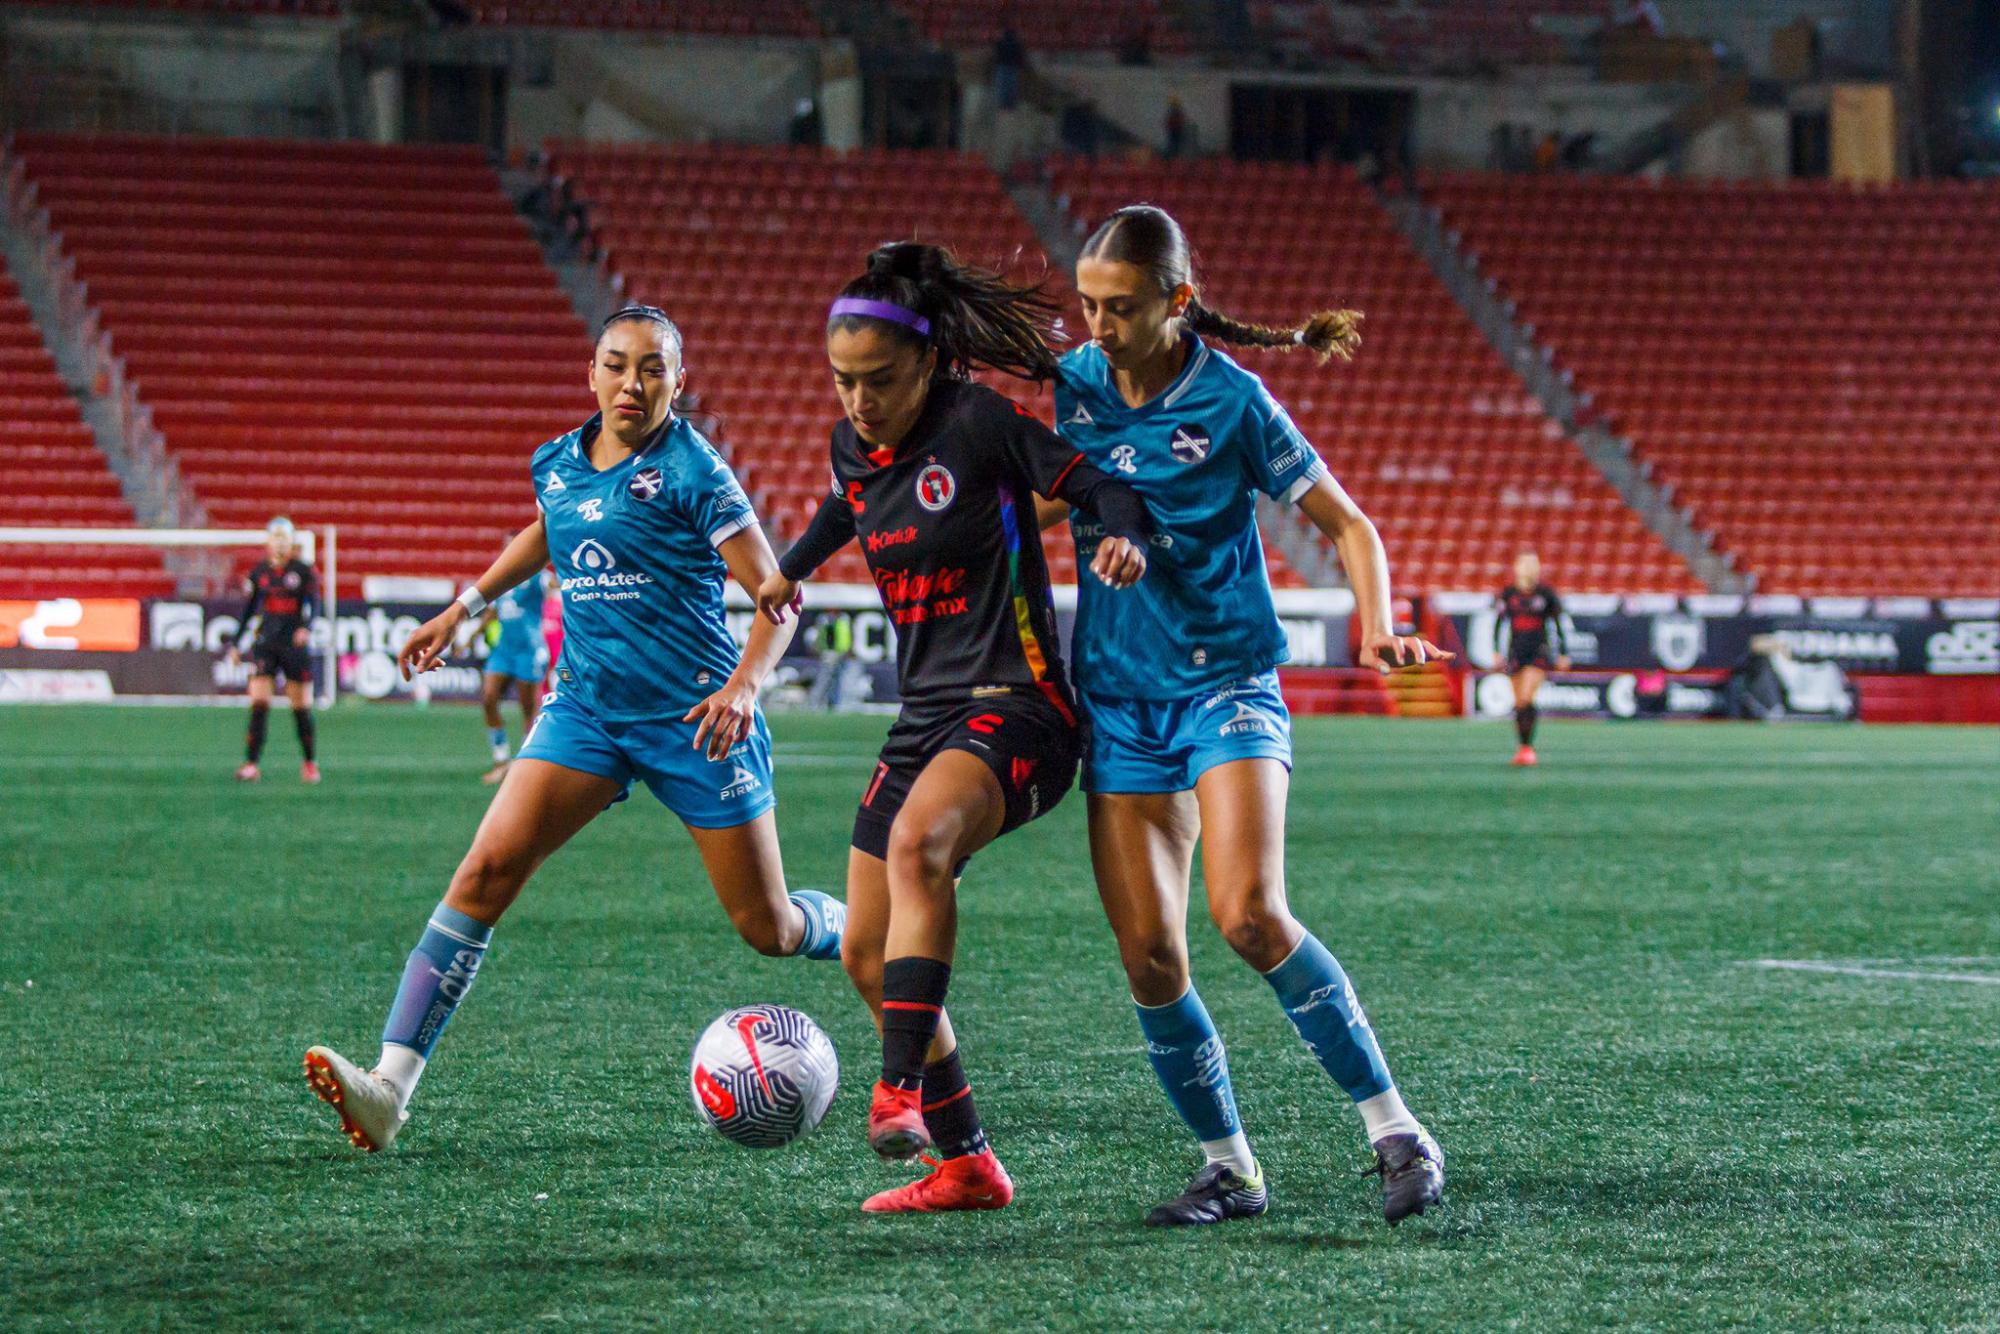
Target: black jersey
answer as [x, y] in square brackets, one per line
[947, 524]
[285, 596]
[1533, 616]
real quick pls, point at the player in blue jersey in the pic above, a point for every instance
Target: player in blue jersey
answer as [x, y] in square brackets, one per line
[518, 660]
[643, 523]
[1189, 732]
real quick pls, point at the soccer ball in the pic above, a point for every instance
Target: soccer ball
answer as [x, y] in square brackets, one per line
[764, 1075]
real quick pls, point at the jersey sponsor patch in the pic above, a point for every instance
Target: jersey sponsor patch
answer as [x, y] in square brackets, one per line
[1247, 719]
[645, 484]
[936, 487]
[1190, 443]
[591, 554]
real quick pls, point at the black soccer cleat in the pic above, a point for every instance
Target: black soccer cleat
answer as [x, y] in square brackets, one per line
[1216, 1195]
[1412, 1172]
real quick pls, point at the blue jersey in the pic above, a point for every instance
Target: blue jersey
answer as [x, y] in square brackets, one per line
[1199, 453]
[519, 614]
[634, 548]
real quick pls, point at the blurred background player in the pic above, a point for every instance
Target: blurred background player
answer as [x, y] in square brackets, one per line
[645, 523]
[1530, 619]
[519, 661]
[1190, 737]
[937, 476]
[282, 599]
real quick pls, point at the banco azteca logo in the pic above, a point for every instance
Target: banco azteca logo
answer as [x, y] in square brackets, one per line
[593, 555]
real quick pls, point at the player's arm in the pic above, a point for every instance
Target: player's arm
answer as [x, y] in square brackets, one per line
[308, 607]
[243, 619]
[1559, 632]
[1049, 513]
[728, 715]
[1499, 621]
[1353, 535]
[1057, 471]
[522, 560]
[832, 528]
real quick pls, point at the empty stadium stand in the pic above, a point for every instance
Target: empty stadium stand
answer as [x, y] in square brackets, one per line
[1050, 25]
[1436, 439]
[716, 18]
[52, 476]
[350, 334]
[1424, 34]
[323, 9]
[1811, 367]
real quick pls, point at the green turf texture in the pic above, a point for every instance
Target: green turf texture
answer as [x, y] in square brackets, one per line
[1642, 1128]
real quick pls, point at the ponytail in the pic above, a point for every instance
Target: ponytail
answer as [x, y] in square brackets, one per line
[973, 317]
[1329, 333]
[1150, 240]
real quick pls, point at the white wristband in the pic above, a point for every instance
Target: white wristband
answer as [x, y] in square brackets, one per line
[472, 600]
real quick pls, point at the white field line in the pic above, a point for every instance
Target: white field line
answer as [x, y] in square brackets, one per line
[1854, 970]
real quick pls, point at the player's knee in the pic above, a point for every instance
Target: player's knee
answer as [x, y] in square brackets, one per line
[919, 854]
[1258, 931]
[488, 881]
[1156, 966]
[863, 964]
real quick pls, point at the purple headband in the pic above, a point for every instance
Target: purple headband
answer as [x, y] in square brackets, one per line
[880, 310]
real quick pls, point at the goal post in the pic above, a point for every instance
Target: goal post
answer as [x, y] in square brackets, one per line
[319, 547]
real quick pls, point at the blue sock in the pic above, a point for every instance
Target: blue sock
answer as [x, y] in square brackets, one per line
[826, 918]
[1187, 1055]
[1320, 1003]
[440, 971]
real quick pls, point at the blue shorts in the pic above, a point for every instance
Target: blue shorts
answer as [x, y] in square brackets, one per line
[1152, 745]
[705, 793]
[523, 664]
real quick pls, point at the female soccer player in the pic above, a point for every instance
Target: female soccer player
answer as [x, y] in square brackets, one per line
[1189, 733]
[1530, 615]
[519, 660]
[642, 521]
[282, 597]
[938, 476]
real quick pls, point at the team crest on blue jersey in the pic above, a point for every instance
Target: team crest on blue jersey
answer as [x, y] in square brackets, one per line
[1190, 443]
[645, 484]
[935, 487]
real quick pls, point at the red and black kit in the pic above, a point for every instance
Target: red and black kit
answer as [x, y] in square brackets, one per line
[1533, 622]
[947, 523]
[285, 598]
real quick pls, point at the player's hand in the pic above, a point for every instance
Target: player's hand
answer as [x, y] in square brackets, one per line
[726, 717]
[424, 650]
[777, 595]
[1562, 663]
[299, 637]
[1386, 653]
[1119, 562]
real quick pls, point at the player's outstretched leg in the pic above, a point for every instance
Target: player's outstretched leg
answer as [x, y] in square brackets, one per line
[1243, 812]
[748, 872]
[538, 809]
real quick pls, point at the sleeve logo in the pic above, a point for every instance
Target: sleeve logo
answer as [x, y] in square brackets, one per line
[553, 485]
[935, 487]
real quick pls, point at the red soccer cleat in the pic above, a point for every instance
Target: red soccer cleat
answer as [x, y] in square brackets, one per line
[975, 1181]
[248, 774]
[1524, 758]
[896, 1122]
[308, 772]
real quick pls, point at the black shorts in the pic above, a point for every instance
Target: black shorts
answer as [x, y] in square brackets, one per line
[1524, 651]
[1031, 744]
[294, 664]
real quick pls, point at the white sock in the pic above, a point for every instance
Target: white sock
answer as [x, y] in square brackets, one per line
[501, 754]
[402, 1067]
[1384, 1115]
[1235, 1151]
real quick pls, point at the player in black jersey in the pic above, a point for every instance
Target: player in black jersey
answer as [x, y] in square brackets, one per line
[1528, 621]
[938, 477]
[283, 598]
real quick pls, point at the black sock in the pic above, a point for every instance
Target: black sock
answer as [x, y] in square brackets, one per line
[303, 719]
[948, 1111]
[912, 999]
[253, 740]
[1524, 723]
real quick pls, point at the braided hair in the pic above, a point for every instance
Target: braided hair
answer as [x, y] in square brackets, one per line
[1149, 239]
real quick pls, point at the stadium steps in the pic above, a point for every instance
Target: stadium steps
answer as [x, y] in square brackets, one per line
[1423, 692]
[1533, 362]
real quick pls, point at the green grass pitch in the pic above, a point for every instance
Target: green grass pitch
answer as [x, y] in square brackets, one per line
[1643, 1127]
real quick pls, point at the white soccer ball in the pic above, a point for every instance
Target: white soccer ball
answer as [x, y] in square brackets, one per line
[764, 1075]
